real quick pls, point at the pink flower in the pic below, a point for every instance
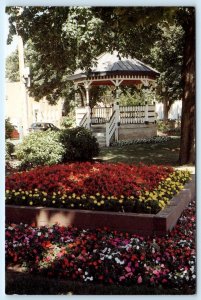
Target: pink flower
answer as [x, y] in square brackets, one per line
[128, 269]
[139, 280]
[152, 279]
[122, 278]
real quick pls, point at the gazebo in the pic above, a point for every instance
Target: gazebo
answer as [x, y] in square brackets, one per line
[113, 69]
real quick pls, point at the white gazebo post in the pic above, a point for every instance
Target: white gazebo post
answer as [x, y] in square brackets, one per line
[116, 108]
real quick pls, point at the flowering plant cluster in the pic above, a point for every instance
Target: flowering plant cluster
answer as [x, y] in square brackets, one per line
[104, 256]
[96, 186]
[151, 140]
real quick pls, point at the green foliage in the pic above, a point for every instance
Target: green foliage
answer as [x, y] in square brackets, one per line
[68, 122]
[166, 56]
[77, 36]
[12, 67]
[8, 128]
[40, 148]
[79, 144]
[10, 148]
[169, 127]
[133, 96]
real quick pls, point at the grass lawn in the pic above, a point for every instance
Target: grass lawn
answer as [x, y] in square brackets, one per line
[166, 153]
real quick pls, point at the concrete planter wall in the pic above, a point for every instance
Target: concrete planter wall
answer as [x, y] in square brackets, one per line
[143, 224]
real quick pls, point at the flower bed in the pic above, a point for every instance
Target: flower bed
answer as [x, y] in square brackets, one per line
[96, 186]
[104, 256]
[151, 140]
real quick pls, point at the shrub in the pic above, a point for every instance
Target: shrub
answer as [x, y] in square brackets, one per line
[8, 128]
[40, 148]
[79, 144]
[10, 148]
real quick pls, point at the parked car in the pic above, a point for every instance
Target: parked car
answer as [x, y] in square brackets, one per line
[40, 126]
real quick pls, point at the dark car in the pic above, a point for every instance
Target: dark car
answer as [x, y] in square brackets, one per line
[40, 126]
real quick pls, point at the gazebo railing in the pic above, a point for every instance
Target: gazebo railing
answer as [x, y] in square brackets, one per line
[138, 114]
[110, 128]
[84, 121]
[101, 115]
[132, 114]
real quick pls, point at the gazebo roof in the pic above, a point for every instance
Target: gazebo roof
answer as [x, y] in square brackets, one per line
[112, 66]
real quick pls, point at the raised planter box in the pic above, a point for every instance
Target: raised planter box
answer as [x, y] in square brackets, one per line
[143, 224]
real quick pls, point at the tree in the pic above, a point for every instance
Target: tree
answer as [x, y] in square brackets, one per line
[166, 56]
[79, 34]
[186, 17]
[12, 67]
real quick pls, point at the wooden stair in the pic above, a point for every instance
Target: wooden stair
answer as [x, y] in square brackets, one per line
[99, 131]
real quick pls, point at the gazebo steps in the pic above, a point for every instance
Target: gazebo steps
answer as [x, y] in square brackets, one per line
[100, 134]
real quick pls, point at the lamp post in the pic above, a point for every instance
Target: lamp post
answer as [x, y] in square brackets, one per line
[25, 83]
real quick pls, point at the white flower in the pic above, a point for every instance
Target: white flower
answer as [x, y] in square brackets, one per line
[118, 261]
[192, 269]
[39, 233]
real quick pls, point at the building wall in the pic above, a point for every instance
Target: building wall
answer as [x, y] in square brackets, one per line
[23, 117]
[174, 112]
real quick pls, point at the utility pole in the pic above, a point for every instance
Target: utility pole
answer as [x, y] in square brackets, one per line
[24, 82]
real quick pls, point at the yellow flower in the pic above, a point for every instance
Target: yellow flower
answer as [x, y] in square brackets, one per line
[53, 201]
[120, 201]
[7, 191]
[44, 199]
[23, 197]
[97, 194]
[72, 205]
[95, 201]
[30, 203]
[102, 202]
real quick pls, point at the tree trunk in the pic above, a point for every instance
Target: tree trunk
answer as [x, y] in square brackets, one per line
[166, 108]
[187, 144]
